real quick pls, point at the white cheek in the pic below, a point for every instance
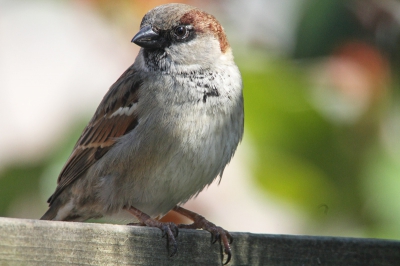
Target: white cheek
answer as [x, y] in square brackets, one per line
[125, 110]
[201, 52]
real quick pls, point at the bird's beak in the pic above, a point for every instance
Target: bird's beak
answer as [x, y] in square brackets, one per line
[147, 38]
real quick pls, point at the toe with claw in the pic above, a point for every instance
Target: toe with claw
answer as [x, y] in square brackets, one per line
[217, 233]
[169, 230]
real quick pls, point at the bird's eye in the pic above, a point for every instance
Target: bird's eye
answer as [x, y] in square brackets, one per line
[181, 32]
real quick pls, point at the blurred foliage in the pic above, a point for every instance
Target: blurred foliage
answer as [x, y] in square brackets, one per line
[323, 26]
[317, 163]
[22, 185]
[13, 183]
[303, 157]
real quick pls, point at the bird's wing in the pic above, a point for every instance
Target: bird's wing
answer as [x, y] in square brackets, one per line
[114, 118]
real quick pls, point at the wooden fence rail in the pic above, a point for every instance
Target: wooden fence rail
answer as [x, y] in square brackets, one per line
[34, 242]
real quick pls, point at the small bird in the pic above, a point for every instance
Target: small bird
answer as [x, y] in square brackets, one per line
[164, 131]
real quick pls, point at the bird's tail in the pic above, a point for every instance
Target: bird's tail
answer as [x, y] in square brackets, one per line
[51, 213]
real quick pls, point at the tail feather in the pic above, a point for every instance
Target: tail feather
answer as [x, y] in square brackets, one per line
[52, 212]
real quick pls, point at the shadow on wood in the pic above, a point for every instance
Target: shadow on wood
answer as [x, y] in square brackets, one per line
[34, 242]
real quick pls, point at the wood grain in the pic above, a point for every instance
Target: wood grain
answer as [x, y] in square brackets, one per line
[34, 242]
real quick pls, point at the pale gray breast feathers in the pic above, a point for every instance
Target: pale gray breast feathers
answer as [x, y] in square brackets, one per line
[189, 126]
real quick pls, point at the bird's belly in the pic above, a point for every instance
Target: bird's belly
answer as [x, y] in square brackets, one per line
[174, 166]
[193, 162]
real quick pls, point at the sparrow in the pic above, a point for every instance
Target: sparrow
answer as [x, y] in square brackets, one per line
[163, 132]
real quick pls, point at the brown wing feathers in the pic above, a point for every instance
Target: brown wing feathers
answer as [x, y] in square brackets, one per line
[107, 125]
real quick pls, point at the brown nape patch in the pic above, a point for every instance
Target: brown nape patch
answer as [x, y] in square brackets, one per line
[203, 22]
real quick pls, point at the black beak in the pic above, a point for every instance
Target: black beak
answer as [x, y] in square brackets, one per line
[147, 38]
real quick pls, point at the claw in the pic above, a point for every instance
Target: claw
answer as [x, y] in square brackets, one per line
[176, 231]
[230, 237]
[228, 259]
[213, 239]
[172, 248]
[215, 236]
[169, 227]
[169, 230]
[164, 233]
[217, 233]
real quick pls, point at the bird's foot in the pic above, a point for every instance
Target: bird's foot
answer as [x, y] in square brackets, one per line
[169, 230]
[217, 233]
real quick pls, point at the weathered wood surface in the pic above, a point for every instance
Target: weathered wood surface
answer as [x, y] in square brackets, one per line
[34, 242]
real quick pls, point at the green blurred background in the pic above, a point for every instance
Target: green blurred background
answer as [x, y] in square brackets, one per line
[321, 153]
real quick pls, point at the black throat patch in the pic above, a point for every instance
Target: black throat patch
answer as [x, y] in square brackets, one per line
[213, 93]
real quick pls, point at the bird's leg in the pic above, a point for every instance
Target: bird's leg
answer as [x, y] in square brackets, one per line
[169, 230]
[217, 233]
